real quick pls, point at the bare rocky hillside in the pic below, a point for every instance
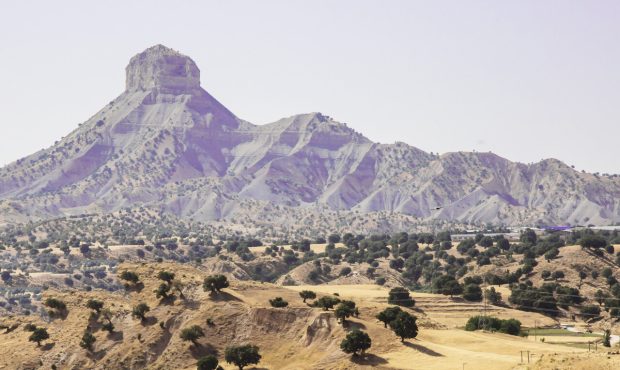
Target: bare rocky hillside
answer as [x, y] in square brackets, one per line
[167, 144]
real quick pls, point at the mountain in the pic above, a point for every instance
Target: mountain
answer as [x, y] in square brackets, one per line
[167, 144]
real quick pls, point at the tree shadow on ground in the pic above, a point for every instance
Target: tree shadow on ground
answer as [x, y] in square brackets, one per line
[352, 325]
[138, 287]
[116, 336]
[191, 305]
[47, 346]
[96, 355]
[149, 321]
[422, 349]
[223, 297]
[368, 359]
[200, 350]
[168, 301]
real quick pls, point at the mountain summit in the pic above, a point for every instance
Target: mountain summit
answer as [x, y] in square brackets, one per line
[167, 144]
[162, 68]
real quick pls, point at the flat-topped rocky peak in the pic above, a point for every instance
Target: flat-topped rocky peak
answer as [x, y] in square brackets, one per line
[163, 69]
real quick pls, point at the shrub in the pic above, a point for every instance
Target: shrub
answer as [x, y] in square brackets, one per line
[192, 334]
[493, 296]
[55, 304]
[278, 302]
[345, 271]
[166, 276]
[140, 311]
[88, 339]
[509, 326]
[95, 305]
[355, 341]
[39, 335]
[162, 291]
[130, 276]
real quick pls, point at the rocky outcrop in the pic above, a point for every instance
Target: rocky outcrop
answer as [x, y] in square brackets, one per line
[166, 143]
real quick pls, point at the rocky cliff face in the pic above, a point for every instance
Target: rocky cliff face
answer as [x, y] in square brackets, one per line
[166, 143]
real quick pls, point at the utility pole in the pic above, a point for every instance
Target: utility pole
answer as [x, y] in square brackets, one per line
[528, 357]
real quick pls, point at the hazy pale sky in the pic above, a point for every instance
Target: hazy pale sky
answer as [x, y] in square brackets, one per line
[524, 79]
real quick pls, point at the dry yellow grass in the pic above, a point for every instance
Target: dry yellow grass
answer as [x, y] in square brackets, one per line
[296, 337]
[316, 248]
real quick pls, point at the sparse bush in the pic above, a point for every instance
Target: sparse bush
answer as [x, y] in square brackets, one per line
[130, 276]
[88, 339]
[140, 311]
[166, 276]
[162, 291]
[278, 302]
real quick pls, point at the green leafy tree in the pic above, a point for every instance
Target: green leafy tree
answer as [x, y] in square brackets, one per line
[492, 296]
[88, 339]
[326, 302]
[593, 241]
[215, 283]
[472, 292]
[39, 335]
[400, 296]
[356, 341]
[486, 242]
[344, 310]
[242, 356]
[192, 334]
[209, 362]
[388, 315]
[307, 294]
[552, 254]
[140, 311]
[404, 326]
